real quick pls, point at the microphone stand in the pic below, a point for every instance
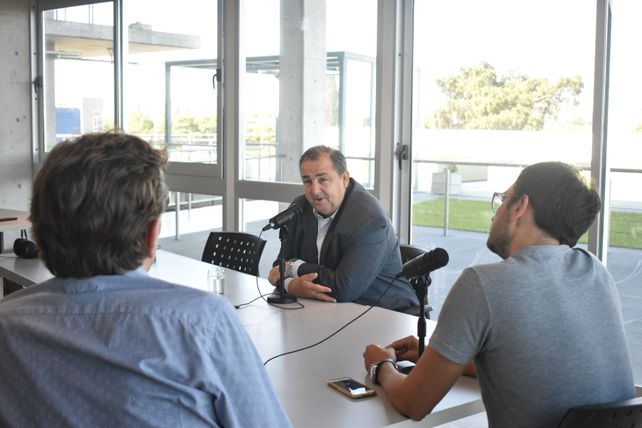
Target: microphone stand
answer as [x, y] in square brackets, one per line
[282, 297]
[420, 285]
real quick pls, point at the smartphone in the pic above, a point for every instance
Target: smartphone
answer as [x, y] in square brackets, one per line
[351, 388]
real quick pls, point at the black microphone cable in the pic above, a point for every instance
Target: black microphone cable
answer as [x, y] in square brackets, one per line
[336, 331]
[262, 296]
[342, 327]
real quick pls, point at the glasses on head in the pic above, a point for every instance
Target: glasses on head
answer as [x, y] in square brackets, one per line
[498, 198]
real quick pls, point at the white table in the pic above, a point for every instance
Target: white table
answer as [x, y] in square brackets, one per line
[21, 222]
[300, 378]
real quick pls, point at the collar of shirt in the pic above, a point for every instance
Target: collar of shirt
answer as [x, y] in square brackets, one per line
[98, 282]
[323, 224]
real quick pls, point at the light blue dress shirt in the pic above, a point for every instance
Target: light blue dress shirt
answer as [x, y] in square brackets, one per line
[128, 350]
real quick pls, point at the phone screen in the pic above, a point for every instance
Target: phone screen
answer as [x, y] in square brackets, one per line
[351, 387]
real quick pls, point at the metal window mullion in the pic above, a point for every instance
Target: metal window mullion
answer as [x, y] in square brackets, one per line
[37, 45]
[393, 110]
[600, 174]
[385, 103]
[403, 186]
[229, 62]
[121, 38]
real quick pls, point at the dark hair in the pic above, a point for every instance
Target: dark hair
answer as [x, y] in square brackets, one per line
[338, 160]
[564, 206]
[93, 201]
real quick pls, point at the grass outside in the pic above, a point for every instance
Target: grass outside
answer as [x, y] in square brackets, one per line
[475, 216]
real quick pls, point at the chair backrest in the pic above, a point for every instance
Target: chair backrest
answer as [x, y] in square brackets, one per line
[409, 252]
[627, 413]
[234, 250]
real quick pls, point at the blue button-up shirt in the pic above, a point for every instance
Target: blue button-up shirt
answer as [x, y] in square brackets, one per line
[128, 350]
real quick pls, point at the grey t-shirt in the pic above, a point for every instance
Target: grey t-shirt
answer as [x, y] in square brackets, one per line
[545, 330]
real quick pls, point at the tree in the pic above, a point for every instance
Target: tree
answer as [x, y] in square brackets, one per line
[139, 123]
[478, 98]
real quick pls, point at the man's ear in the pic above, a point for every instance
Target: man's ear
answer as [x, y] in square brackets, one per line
[519, 207]
[151, 238]
[345, 178]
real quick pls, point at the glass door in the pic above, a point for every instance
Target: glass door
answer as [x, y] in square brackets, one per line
[77, 83]
[492, 92]
[171, 81]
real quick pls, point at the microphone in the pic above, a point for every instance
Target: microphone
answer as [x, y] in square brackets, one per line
[424, 264]
[284, 217]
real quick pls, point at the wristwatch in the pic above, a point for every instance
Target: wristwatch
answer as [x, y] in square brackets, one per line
[374, 369]
[290, 273]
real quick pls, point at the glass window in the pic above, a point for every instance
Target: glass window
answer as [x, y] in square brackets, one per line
[624, 153]
[256, 214]
[198, 215]
[303, 88]
[492, 92]
[171, 87]
[78, 71]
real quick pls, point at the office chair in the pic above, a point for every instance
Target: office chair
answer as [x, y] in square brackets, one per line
[627, 413]
[409, 252]
[234, 250]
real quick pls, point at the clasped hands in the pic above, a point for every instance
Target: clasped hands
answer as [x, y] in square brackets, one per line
[402, 349]
[303, 286]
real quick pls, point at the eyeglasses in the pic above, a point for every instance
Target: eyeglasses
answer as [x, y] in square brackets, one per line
[498, 198]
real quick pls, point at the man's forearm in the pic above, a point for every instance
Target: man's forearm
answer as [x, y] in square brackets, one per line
[392, 383]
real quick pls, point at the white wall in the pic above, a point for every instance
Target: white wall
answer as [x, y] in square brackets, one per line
[15, 108]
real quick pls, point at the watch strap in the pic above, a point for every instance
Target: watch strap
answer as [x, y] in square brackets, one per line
[374, 372]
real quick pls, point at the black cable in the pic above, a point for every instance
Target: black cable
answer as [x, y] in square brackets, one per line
[337, 331]
[262, 296]
[246, 303]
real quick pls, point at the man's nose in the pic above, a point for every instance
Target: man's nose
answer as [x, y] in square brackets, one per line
[315, 188]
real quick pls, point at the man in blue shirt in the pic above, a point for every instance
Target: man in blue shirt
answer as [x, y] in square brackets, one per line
[103, 343]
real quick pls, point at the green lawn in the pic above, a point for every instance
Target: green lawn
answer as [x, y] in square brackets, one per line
[475, 216]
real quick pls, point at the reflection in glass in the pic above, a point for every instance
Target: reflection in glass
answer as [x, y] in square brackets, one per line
[170, 95]
[332, 105]
[492, 93]
[624, 139]
[78, 71]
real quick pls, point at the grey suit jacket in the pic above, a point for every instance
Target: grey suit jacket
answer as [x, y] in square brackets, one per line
[359, 256]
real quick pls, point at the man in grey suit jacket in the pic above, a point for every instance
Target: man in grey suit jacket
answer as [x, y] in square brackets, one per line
[343, 247]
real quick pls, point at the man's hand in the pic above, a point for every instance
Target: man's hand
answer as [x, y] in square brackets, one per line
[273, 275]
[375, 353]
[303, 286]
[406, 348]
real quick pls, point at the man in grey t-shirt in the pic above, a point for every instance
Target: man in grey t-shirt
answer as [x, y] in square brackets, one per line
[543, 327]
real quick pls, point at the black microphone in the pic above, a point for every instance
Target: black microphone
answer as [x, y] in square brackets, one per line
[424, 264]
[284, 217]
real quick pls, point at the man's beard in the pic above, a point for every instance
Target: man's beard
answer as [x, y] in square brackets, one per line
[498, 239]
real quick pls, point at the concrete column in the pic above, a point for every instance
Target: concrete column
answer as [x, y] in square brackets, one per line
[302, 90]
[15, 120]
